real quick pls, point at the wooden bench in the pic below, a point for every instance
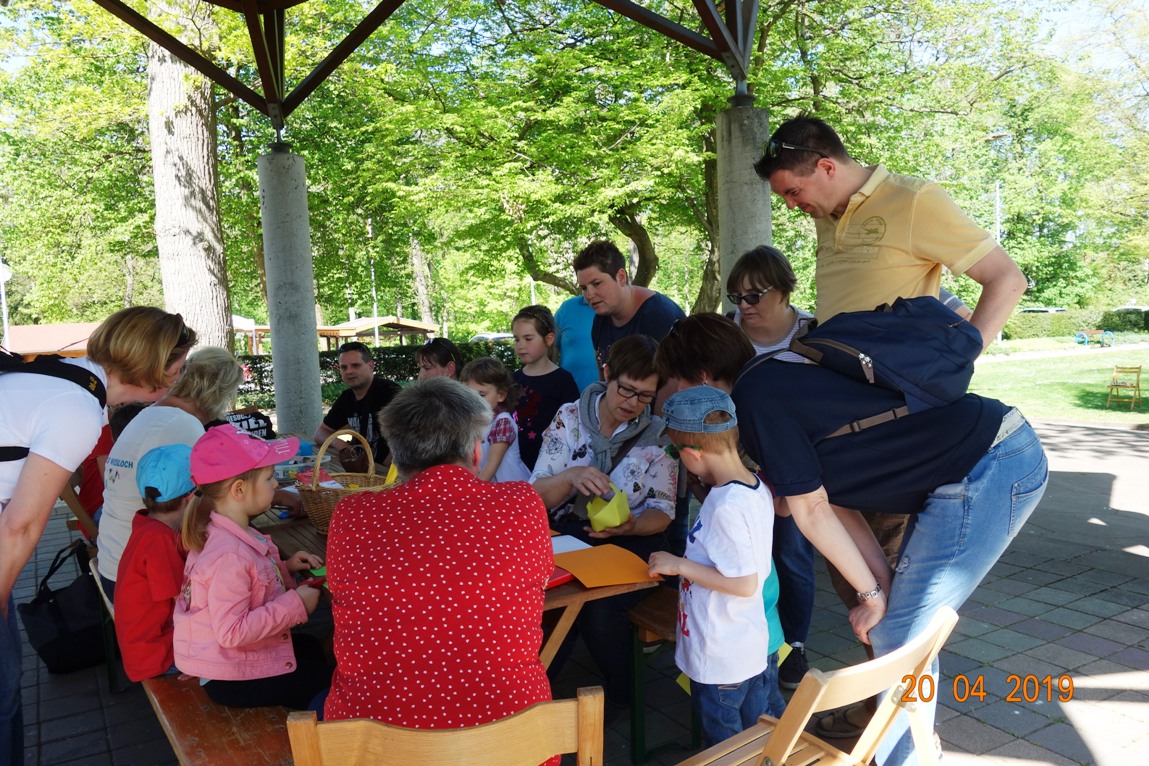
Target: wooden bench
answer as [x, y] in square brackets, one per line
[203, 733]
[653, 620]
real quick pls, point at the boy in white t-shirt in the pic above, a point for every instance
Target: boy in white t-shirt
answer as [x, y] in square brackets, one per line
[723, 642]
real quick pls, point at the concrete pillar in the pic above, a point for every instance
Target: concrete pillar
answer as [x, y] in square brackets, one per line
[290, 290]
[743, 198]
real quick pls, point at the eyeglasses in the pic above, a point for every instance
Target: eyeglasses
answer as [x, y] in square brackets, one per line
[675, 450]
[632, 393]
[185, 333]
[773, 148]
[751, 299]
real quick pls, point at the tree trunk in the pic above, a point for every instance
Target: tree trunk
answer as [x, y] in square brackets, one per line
[189, 236]
[627, 221]
[422, 281]
[710, 291]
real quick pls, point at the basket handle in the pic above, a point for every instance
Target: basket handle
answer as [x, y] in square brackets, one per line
[327, 443]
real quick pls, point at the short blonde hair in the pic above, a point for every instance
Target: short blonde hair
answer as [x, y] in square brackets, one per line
[139, 344]
[209, 380]
[722, 441]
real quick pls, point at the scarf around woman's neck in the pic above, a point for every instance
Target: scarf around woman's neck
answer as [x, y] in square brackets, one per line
[647, 427]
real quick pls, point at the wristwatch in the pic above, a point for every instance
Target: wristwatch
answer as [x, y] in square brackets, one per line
[870, 594]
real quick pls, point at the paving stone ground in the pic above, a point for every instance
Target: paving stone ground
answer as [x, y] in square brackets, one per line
[1069, 600]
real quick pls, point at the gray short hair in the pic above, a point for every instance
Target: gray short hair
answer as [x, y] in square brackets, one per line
[209, 381]
[433, 422]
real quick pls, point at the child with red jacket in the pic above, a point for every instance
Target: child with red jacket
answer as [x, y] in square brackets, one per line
[152, 566]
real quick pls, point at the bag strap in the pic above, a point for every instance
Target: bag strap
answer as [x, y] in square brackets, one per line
[72, 549]
[874, 420]
[800, 348]
[53, 366]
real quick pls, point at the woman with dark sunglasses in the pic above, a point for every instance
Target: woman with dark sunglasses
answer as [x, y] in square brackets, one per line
[759, 286]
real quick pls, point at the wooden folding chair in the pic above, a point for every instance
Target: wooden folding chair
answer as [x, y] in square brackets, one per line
[526, 738]
[774, 742]
[1125, 386]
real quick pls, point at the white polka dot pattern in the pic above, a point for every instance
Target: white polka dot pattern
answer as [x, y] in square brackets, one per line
[437, 589]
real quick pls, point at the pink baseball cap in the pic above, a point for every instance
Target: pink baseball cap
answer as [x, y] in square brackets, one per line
[226, 451]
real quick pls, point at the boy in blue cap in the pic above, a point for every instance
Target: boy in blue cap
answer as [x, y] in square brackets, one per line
[151, 571]
[722, 637]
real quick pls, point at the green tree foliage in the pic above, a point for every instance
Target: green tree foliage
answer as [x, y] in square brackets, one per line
[75, 174]
[496, 138]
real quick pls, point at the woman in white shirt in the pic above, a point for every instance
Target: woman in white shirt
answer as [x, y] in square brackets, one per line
[133, 356]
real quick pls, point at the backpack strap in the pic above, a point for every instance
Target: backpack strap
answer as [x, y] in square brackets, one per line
[800, 348]
[52, 366]
[874, 420]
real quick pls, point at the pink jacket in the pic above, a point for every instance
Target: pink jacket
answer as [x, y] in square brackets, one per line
[233, 618]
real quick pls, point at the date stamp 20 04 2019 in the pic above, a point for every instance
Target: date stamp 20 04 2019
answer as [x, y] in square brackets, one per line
[1027, 688]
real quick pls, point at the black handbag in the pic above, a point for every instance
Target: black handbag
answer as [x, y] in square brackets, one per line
[65, 626]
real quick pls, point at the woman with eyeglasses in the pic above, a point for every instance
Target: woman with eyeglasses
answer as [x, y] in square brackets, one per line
[759, 286]
[51, 414]
[609, 437]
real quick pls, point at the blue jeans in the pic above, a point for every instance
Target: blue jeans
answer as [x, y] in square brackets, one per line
[727, 709]
[949, 547]
[794, 561]
[11, 709]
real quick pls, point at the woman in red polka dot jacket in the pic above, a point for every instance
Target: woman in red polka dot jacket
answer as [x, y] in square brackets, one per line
[437, 585]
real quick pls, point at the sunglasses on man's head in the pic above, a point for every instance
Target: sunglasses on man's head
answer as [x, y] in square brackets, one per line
[773, 148]
[751, 299]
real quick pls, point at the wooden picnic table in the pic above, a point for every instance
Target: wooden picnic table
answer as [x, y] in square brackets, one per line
[299, 534]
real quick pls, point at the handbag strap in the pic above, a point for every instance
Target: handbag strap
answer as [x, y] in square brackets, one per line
[72, 549]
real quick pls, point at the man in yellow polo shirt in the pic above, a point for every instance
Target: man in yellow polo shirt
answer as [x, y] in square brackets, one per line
[881, 236]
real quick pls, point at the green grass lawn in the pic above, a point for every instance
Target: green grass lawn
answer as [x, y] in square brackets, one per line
[1069, 387]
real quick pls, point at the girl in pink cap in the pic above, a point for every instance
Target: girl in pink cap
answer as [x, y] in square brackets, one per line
[239, 602]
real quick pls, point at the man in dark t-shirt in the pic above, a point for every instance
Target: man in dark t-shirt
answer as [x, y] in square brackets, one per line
[357, 407]
[620, 308]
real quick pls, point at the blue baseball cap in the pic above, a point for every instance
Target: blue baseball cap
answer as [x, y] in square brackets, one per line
[687, 410]
[167, 470]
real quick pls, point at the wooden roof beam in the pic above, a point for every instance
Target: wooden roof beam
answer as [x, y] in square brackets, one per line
[664, 26]
[339, 54]
[184, 53]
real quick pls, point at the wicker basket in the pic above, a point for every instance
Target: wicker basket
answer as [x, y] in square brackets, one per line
[320, 502]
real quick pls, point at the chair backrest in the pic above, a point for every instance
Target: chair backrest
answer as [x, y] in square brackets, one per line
[93, 565]
[898, 672]
[1121, 370]
[526, 738]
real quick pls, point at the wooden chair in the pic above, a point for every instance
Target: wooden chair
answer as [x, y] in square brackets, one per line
[1125, 386]
[776, 742]
[526, 738]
